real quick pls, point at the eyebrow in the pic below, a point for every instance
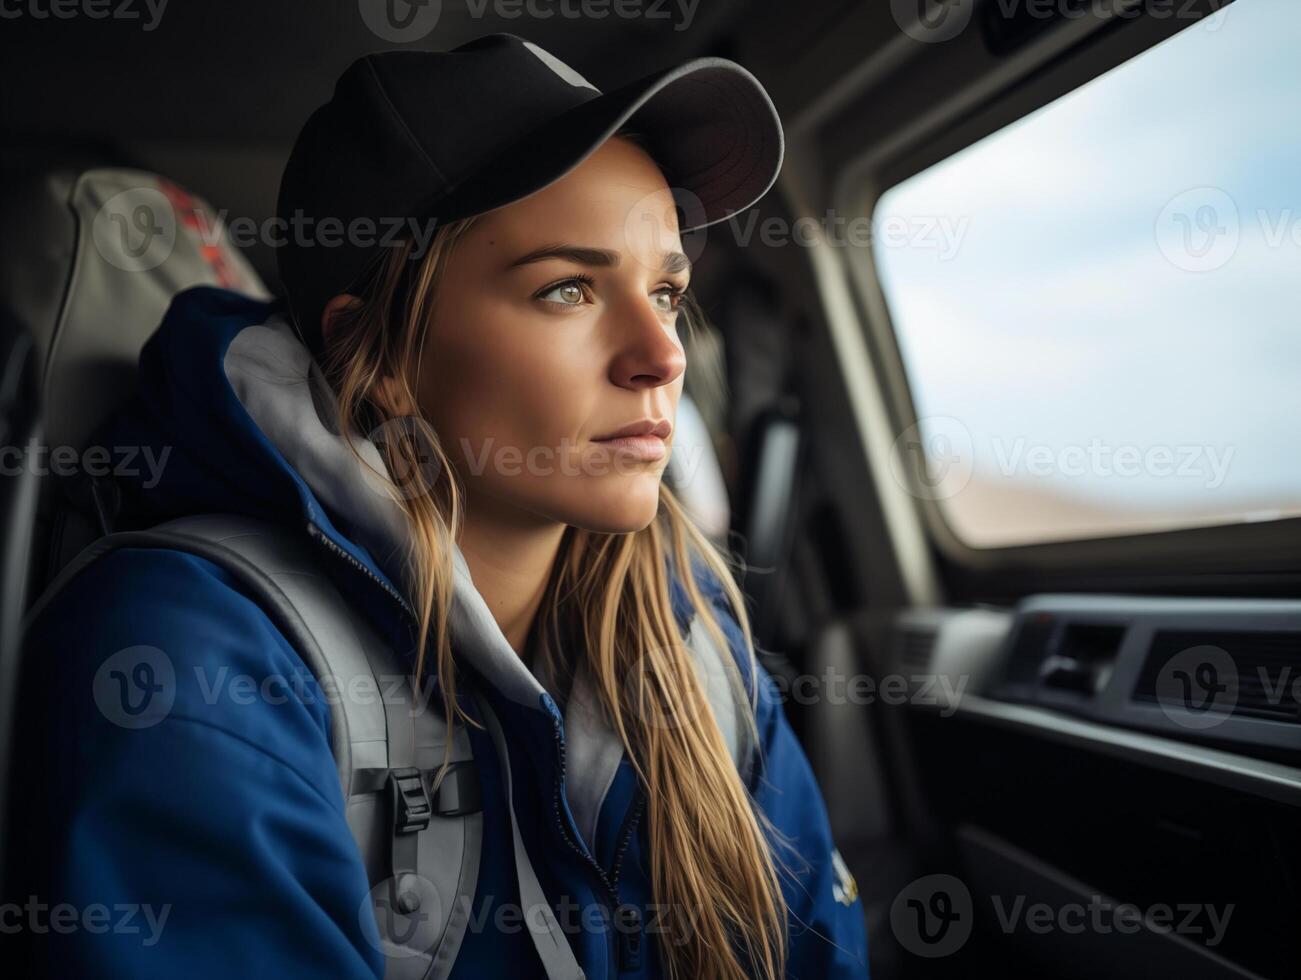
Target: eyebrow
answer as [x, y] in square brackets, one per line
[584, 255]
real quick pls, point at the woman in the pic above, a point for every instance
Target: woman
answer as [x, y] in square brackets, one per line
[496, 331]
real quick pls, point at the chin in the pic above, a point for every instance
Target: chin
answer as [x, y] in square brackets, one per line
[629, 506]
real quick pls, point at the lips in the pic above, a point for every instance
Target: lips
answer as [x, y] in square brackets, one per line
[643, 440]
[659, 428]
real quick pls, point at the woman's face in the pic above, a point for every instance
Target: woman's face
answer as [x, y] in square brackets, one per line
[555, 325]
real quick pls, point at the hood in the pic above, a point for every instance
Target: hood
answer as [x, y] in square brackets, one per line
[239, 418]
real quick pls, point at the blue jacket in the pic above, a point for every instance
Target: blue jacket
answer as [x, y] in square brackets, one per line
[215, 837]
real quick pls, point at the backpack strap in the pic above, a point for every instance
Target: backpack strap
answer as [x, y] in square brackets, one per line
[420, 843]
[548, 938]
[420, 839]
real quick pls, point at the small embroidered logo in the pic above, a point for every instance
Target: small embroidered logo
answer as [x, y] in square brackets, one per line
[844, 888]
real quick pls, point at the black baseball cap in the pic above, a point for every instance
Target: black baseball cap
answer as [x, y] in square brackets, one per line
[420, 136]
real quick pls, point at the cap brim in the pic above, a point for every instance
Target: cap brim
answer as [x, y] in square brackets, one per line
[708, 123]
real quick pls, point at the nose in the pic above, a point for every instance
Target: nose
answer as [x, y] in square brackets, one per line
[648, 352]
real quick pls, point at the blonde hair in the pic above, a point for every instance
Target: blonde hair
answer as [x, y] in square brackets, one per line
[709, 846]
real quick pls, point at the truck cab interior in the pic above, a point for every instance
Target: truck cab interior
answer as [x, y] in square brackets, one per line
[998, 406]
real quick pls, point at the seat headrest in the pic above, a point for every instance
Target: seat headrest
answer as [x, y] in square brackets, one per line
[694, 473]
[96, 257]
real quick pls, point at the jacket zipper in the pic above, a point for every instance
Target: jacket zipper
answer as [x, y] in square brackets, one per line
[630, 936]
[626, 945]
[321, 538]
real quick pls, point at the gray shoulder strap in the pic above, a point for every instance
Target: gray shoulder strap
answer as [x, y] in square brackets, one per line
[548, 937]
[420, 842]
[419, 838]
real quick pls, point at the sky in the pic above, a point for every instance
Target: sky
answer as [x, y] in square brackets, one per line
[1126, 272]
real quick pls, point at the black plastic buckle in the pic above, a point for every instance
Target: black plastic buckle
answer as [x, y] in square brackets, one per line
[412, 808]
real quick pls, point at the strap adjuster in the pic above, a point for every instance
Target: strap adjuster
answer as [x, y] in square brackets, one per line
[409, 796]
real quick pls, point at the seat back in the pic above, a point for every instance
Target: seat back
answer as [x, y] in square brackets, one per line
[103, 253]
[96, 256]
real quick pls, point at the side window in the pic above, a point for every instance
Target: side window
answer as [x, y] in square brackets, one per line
[1102, 336]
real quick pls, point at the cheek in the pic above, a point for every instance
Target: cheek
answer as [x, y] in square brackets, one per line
[506, 383]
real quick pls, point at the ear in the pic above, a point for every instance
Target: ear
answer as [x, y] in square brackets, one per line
[388, 394]
[330, 318]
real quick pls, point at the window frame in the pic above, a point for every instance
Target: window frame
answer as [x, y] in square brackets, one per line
[1207, 559]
